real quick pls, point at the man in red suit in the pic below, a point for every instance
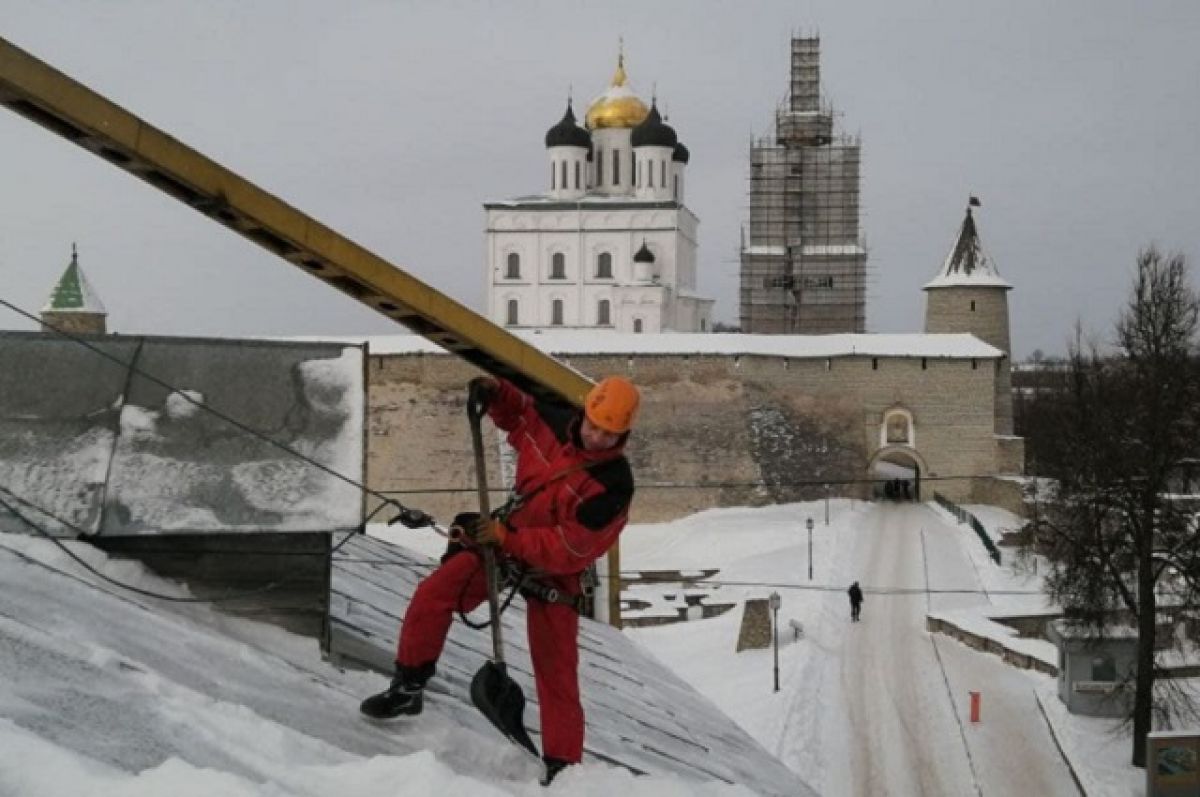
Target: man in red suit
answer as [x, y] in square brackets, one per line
[573, 487]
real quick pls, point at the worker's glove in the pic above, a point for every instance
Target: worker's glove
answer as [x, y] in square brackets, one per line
[481, 390]
[488, 531]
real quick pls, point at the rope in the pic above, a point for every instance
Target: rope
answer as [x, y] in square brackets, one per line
[82, 536]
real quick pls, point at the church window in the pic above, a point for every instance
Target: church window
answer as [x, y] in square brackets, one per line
[604, 266]
[552, 185]
[562, 176]
[632, 161]
[637, 325]
[558, 266]
[662, 173]
[972, 305]
[924, 363]
[874, 363]
[703, 325]
[637, 175]
[602, 314]
[650, 169]
[676, 191]
[513, 271]
[974, 363]
[512, 313]
[599, 167]
[556, 312]
[616, 167]
[577, 175]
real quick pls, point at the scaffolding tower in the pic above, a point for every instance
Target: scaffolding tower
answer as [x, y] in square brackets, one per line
[803, 261]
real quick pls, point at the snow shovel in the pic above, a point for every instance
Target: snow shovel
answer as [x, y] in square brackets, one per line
[493, 692]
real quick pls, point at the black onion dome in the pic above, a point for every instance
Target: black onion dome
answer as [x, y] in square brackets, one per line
[654, 132]
[644, 255]
[681, 154]
[567, 133]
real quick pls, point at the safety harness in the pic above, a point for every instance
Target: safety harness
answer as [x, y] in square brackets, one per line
[526, 582]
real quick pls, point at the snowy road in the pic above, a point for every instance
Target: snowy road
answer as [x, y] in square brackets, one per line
[905, 692]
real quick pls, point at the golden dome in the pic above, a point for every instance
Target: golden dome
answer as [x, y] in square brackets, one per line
[617, 107]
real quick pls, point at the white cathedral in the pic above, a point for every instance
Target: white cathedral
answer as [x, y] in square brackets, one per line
[611, 245]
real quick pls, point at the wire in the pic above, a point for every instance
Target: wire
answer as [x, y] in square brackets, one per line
[383, 495]
[631, 579]
[195, 402]
[82, 536]
[705, 485]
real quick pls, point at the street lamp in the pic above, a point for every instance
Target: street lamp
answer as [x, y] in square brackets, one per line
[774, 602]
[809, 524]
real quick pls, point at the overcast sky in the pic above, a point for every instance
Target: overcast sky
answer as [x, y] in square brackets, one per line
[1076, 123]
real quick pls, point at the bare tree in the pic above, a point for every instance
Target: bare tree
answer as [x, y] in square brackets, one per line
[1120, 546]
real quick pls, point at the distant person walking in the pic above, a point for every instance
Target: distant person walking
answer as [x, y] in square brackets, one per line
[856, 599]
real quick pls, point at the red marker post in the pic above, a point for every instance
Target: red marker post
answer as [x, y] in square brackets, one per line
[975, 706]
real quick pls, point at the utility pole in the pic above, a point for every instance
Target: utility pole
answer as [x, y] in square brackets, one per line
[809, 524]
[774, 602]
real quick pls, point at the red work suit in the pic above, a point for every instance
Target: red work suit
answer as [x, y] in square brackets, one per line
[567, 523]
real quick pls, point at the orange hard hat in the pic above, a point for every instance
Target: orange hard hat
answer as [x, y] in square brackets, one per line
[612, 404]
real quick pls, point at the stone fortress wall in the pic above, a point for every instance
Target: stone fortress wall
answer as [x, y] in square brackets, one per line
[724, 420]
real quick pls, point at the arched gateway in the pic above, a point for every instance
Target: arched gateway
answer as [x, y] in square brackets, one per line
[895, 472]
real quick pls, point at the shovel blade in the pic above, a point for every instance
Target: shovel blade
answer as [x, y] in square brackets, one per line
[501, 700]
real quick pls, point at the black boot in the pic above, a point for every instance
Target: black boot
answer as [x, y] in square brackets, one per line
[553, 767]
[405, 696]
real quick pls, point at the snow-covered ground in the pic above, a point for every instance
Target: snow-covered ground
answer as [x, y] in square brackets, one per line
[881, 706]
[108, 693]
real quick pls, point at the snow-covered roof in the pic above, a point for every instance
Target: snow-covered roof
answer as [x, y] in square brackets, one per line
[968, 265]
[73, 293]
[765, 250]
[587, 199]
[1075, 629]
[582, 342]
[640, 715]
[106, 691]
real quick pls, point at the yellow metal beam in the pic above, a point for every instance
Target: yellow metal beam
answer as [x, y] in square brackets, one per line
[44, 95]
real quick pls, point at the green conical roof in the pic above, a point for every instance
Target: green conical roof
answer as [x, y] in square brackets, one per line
[73, 293]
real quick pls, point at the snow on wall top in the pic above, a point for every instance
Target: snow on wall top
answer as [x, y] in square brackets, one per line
[582, 342]
[106, 450]
[639, 714]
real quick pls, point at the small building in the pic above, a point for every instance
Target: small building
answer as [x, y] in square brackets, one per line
[1095, 672]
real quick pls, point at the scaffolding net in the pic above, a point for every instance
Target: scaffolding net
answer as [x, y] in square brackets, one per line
[803, 260]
